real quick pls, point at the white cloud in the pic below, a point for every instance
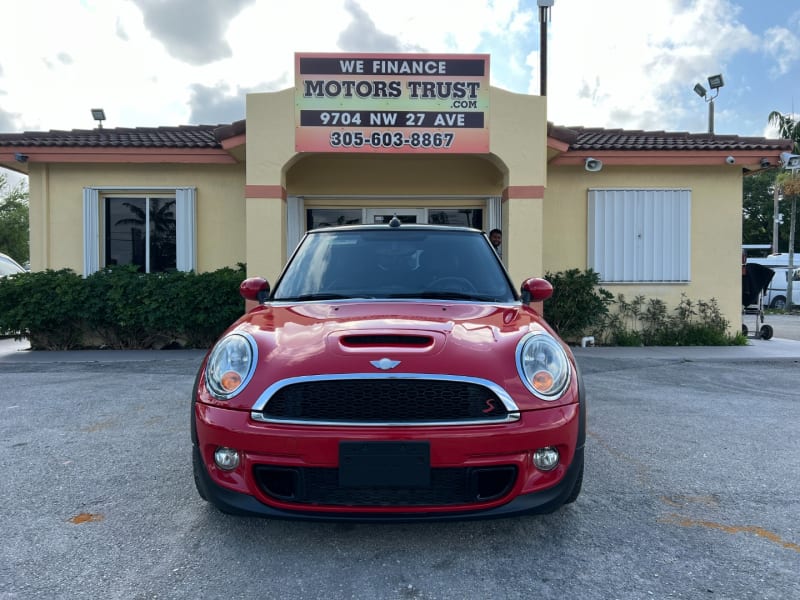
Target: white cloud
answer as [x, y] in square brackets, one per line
[629, 63]
[784, 47]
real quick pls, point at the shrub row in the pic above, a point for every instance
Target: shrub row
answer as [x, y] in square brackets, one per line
[119, 307]
[579, 307]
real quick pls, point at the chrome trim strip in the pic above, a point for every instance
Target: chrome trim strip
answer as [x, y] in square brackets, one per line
[513, 413]
[355, 299]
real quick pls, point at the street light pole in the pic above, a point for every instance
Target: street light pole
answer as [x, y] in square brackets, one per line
[776, 197]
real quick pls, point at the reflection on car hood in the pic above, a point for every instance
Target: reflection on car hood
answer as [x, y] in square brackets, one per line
[477, 340]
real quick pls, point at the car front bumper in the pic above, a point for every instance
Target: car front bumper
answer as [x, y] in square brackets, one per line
[470, 448]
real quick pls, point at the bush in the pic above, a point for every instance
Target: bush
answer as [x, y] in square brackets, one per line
[577, 307]
[119, 307]
[647, 322]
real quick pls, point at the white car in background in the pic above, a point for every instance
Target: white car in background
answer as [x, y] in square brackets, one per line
[8, 266]
[777, 291]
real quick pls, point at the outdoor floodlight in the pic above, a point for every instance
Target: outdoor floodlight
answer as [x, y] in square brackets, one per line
[99, 115]
[715, 82]
[700, 90]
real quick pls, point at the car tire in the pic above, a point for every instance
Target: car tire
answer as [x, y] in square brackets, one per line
[576, 488]
[778, 302]
[197, 465]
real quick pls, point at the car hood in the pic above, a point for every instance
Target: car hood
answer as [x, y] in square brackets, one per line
[318, 338]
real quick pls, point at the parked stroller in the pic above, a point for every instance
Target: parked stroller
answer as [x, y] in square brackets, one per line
[755, 281]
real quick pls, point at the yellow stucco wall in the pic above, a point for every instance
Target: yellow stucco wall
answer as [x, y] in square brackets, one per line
[56, 208]
[716, 234]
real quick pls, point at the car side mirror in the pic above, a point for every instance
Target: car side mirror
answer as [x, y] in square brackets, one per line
[536, 289]
[255, 289]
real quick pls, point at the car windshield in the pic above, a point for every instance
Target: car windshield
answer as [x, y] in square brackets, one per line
[436, 264]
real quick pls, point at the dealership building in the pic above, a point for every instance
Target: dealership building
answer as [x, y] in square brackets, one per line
[362, 138]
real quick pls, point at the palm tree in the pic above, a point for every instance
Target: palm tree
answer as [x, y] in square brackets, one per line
[788, 127]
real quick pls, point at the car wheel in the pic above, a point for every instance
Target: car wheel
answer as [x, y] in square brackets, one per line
[197, 465]
[778, 302]
[576, 489]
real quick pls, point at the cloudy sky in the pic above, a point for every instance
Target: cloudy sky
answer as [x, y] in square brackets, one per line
[612, 63]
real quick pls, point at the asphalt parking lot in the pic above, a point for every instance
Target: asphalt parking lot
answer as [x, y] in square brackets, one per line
[691, 491]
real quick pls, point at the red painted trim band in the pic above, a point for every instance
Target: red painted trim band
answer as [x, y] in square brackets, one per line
[265, 191]
[523, 191]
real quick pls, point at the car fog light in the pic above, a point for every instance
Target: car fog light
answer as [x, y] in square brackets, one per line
[226, 459]
[546, 459]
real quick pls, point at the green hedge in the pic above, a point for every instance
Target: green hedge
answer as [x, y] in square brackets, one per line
[579, 307]
[119, 307]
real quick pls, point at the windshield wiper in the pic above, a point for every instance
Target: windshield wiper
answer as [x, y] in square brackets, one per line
[311, 297]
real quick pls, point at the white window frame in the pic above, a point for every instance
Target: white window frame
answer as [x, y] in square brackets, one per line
[185, 223]
[640, 235]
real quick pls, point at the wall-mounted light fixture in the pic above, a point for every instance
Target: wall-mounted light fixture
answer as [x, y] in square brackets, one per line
[99, 115]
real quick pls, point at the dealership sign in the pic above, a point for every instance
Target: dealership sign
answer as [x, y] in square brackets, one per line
[392, 103]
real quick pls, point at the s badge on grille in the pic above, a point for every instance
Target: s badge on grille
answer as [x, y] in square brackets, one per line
[384, 364]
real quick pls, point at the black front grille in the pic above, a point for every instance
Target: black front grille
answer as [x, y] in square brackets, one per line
[385, 401]
[449, 486]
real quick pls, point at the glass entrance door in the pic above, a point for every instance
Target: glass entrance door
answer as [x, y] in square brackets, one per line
[379, 216]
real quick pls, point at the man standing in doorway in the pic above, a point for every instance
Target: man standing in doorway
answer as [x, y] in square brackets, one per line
[496, 238]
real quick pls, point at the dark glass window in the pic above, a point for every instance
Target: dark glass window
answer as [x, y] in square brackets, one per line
[461, 217]
[331, 217]
[141, 231]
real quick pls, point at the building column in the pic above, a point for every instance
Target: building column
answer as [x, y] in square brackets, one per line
[523, 239]
[265, 228]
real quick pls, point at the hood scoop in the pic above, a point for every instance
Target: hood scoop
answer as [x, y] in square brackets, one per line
[384, 340]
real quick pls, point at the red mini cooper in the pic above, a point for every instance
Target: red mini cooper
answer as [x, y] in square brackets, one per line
[392, 374]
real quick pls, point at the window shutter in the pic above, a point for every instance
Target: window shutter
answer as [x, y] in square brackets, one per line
[185, 229]
[91, 230]
[640, 235]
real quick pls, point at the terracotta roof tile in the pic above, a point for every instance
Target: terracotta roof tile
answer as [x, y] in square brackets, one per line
[588, 138]
[184, 136]
[211, 136]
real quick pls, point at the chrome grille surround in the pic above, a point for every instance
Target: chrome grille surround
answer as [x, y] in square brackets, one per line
[512, 411]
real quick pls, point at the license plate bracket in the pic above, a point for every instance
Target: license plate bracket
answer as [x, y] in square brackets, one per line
[385, 464]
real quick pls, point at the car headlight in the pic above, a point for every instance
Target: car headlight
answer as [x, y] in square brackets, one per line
[543, 365]
[231, 365]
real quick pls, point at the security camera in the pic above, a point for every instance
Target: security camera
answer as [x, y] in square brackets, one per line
[593, 165]
[765, 164]
[730, 160]
[20, 157]
[790, 161]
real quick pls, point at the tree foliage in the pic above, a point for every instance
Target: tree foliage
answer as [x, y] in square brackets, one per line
[758, 210]
[14, 221]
